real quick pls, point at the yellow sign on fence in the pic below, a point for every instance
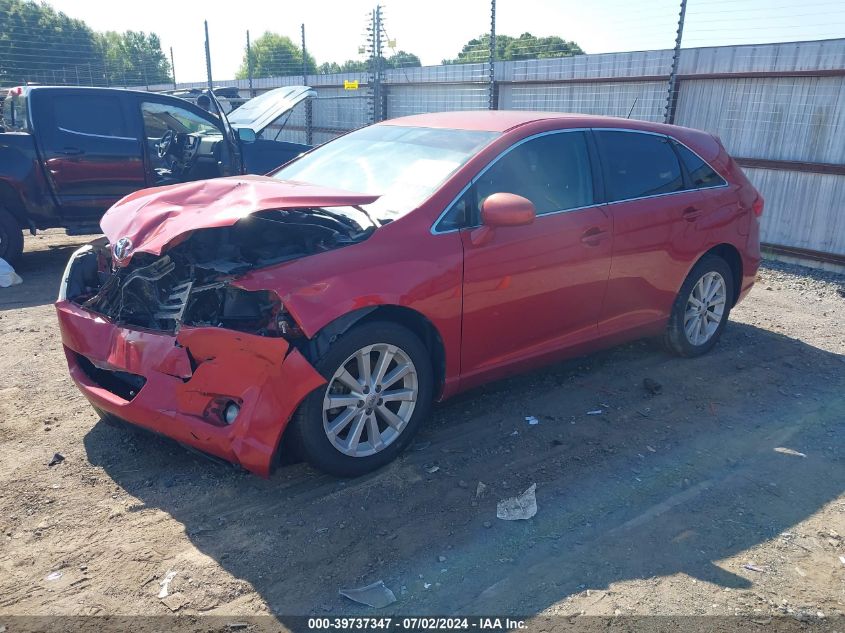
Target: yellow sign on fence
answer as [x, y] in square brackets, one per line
[350, 85]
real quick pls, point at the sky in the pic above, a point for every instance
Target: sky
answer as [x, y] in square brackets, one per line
[437, 29]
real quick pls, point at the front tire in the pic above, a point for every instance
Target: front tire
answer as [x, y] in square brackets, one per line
[11, 238]
[379, 389]
[701, 308]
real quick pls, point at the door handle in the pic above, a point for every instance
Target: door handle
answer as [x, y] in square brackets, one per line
[593, 236]
[71, 151]
[691, 214]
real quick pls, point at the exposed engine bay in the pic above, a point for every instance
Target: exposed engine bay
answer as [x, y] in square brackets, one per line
[190, 283]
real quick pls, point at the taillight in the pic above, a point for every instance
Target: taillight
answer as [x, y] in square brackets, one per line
[757, 206]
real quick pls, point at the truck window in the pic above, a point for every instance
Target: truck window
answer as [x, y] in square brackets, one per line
[14, 113]
[98, 115]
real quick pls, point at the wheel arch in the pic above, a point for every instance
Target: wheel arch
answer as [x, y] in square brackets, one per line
[415, 321]
[730, 254]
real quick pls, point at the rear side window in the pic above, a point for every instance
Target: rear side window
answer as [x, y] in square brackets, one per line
[700, 173]
[100, 115]
[638, 165]
[552, 171]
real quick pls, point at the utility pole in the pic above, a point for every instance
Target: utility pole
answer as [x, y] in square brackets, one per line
[377, 96]
[172, 68]
[672, 98]
[308, 111]
[491, 96]
[208, 59]
[249, 65]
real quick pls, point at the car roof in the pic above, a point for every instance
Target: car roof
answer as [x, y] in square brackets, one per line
[505, 120]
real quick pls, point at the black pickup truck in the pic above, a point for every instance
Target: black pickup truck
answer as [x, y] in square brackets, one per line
[68, 154]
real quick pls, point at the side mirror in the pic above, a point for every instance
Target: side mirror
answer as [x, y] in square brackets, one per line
[501, 210]
[507, 209]
[247, 135]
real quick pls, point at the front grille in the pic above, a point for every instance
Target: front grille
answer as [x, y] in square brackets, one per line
[120, 383]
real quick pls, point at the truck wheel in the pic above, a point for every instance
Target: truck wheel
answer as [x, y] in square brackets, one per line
[11, 237]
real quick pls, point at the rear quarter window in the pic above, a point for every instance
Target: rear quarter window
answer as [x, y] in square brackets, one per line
[701, 174]
[638, 165]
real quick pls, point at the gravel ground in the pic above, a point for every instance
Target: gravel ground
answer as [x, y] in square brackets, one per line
[721, 495]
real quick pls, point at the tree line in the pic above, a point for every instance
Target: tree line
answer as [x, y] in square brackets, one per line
[274, 55]
[41, 45]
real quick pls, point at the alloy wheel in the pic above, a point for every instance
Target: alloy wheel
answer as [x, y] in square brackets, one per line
[370, 400]
[705, 308]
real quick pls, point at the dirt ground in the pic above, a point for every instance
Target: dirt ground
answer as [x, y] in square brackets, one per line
[722, 495]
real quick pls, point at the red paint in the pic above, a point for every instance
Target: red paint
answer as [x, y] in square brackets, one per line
[562, 285]
[153, 218]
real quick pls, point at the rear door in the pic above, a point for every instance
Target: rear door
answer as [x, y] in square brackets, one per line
[90, 147]
[534, 290]
[655, 227]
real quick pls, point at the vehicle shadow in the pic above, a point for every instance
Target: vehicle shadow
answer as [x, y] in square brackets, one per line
[41, 271]
[656, 485]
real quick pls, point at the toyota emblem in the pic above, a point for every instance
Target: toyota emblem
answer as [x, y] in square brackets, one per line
[122, 248]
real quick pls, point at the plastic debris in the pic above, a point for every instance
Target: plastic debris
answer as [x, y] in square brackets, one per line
[480, 490]
[376, 595]
[652, 386]
[842, 559]
[54, 575]
[751, 567]
[426, 585]
[432, 469]
[532, 420]
[518, 508]
[8, 276]
[595, 412]
[58, 458]
[165, 584]
[789, 451]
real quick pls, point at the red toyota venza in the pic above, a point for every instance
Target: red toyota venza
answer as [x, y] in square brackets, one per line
[334, 300]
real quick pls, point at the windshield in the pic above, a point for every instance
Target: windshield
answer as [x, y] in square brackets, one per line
[404, 165]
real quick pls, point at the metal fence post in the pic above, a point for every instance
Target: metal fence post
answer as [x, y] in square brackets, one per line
[172, 68]
[377, 97]
[309, 130]
[672, 98]
[208, 58]
[491, 97]
[249, 66]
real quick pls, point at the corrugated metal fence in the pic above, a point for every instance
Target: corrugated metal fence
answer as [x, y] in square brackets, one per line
[778, 108]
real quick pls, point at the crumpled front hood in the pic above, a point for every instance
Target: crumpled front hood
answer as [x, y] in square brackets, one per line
[153, 218]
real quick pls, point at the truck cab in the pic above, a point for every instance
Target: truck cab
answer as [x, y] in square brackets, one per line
[67, 154]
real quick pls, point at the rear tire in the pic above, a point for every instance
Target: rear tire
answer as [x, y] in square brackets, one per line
[701, 308]
[365, 431]
[11, 237]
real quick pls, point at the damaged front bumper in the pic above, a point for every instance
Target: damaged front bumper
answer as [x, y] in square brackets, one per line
[179, 385]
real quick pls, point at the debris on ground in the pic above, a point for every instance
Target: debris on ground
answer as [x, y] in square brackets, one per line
[531, 420]
[518, 508]
[789, 451]
[165, 584]
[58, 458]
[595, 412]
[751, 567]
[480, 490]
[376, 595]
[174, 601]
[432, 469]
[652, 386]
[8, 276]
[441, 559]
[54, 575]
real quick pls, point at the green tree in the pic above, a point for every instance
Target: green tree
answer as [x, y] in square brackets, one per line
[133, 58]
[275, 55]
[526, 46]
[401, 59]
[39, 45]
